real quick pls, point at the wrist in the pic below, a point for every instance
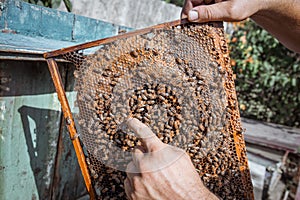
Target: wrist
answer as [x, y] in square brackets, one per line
[269, 8]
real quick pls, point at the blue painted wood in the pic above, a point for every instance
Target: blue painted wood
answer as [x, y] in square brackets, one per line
[22, 18]
[37, 160]
[29, 128]
[3, 14]
[18, 42]
[87, 29]
[56, 25]
[36, 21]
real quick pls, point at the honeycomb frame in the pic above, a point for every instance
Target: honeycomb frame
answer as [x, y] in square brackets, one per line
[217, 136]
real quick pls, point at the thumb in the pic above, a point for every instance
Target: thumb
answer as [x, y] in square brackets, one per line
[149, 140]
[214, 12]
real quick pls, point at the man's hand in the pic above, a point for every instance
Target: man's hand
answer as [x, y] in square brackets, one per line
[280, 18]
[231, 10]
[160, 171]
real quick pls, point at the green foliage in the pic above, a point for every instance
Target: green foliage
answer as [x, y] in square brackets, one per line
[268, 76]
[68, 5]
[51, 3]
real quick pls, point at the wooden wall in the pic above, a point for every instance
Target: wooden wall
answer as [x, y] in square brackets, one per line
[37, 159]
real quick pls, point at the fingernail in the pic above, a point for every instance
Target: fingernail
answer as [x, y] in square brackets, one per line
[193, 15]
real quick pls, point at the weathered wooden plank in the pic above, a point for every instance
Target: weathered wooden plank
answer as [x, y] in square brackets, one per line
[26, 44]
[298, 191]
[257, 172]
[58, 25]
[37, 160]
[56, 77]
[27, 28]
[87, 29]
[29, 137]
[68, 182]
[118, 37]
[37, 21]
[32, 20]
[272, 135]
[22, 18]
[28, 131]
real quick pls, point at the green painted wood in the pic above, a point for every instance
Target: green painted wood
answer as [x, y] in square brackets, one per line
[37, 159]
[27, 19]
[3, 14]
[68, 182]
[30, 131]
[87, 29]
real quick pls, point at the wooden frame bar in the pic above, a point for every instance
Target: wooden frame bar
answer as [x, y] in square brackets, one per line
[53, 68]
[111, 39]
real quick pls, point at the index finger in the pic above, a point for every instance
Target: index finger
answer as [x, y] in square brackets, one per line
[147, 137]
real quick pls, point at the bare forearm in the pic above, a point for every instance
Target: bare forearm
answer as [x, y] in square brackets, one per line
[281, 19]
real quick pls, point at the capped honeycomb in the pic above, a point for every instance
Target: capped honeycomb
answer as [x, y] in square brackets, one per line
[178, 81]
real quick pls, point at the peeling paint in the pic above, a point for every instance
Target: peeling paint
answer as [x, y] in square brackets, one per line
[30, 114]
[1, 8]
[33, 20]
[47, 176]
[2, 110]
[1, 135]
[38, 101]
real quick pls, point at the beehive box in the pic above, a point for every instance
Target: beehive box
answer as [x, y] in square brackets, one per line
[174, 77]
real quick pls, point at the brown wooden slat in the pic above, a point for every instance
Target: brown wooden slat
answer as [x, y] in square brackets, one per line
[111, 39]
[70, 124]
